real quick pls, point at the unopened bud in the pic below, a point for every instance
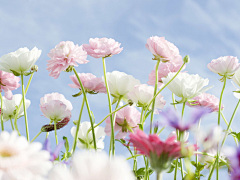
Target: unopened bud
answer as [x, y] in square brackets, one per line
[34, 68]
[59, 125]
[186, 59]
[69, 69]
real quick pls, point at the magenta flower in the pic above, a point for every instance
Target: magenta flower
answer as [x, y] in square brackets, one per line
[127, 120]
[163, 70]
[8, 82]
[163, 50]
[91, 83]
[102, 47]
[224, 66]
[206, 100]
[65, 54]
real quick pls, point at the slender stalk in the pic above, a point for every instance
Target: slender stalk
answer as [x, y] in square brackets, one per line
[55, 129]
[176, 168]
[155, 91]
[133, 156]
[212, 170]
[24, 108]
[146, 168]
[12, 124]
[211, 155]
[173, 99]
[2, 125]
[88, 108]
[112, 140]
[78, 125]
[141, 118]
[199, 123]
[161, 130]
[159, 176]
[36, 136]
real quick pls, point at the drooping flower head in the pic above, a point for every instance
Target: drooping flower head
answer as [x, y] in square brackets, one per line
[21, 160]
[224, 66]
[102, 47]
[127, 120]
[65, 54]
[91, 83]
[206, 100]
[85, 139]
[163, 50]
[55, 107]
[19, 61]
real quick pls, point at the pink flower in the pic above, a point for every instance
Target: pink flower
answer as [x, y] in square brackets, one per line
[224, 66]
[65, 54]
[55, 107]
[91, 83]
[163, 70]
[102, 47]
[127, 120]
[160, 153]
[163, 50]
[8, 82]
[206, 100]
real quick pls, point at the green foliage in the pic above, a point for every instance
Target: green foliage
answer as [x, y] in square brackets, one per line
[140, 173]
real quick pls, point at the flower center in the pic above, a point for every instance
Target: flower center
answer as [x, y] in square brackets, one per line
[6, 153]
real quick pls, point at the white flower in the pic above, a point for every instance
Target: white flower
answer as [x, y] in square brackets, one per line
[20, 160]
[20, 61]
[236, 79]
[84, 141]
[120, 84]
[183, 138]
[9, 106]
[94, 166]
[185, 85]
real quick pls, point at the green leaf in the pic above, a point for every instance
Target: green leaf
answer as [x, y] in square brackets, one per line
[82, 141]
[140, 173]
[115, 100]
[140, 126]
[66, 144]
[171, 169]
[75, 122]
[15, 72]
[237, 135]
[148, 114]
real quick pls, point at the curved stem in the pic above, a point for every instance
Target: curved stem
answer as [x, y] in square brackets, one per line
[12, 124]
[88, 108]
[55, 130]
[2, 125]
[36, 136]
[78, 125]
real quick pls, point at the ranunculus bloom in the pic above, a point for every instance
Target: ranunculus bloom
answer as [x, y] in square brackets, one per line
[185, 85]
[163, 70]
[163, 50]
[8, 82]
[55, 107]
[65, 54]
[91, 83]
[21, 160]
[9, 107]
[224, 66]
[86, 142]
[20, 61]
[120, 84]
[102, 47]
[206, 100]
[127, 120]
[143, 94]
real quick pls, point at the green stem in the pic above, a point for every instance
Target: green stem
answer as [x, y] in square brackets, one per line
[24, 108]
[212, 170]
[211, 155]
[179, 168]
[78, 125]
[161, 130]
[141, 118]
[173, 99]
[2, 125]
[12, 124]
[88, 108]
[36, 136]
[155, 91]
[133, 156]
[199, 123]
[55, 129]
[112, 141]
[146, 168]
[159, 176]
[176, 168]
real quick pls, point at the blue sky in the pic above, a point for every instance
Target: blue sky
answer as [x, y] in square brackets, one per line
[204, 30]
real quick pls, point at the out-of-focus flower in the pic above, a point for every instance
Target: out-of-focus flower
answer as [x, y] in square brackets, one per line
[185, 85]
[91, 83]
[55, 153]
[120, 84]
[85, 141]
[8, 82]
[208, 160]
[233, 155]
[163, 70]
[172, 119]
[236, 79]
[206, 100]
[224, 66]
[143, 94]
[9, 107]
[127, 120]
[102, 47]
[65, 54]
[21, 160]
[183, 138]
[55, 107]
[163, 50]
[160, 153]
[92, 166]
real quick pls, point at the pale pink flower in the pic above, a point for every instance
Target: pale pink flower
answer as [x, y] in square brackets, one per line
[163, 50]
[224, 66]
[127, 120]
[206, 100]
[55, 107]
[102, 47]
[65, 54]
[163, 70]
[91, 83]
[8, 82]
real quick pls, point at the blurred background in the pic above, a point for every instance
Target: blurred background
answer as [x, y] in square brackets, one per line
[204, 30]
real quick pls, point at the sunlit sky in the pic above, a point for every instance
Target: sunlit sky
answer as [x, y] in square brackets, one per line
[204, 30]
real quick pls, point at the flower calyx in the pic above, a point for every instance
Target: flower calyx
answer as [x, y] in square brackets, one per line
[125, 126]
[160, 58]
[69, 68]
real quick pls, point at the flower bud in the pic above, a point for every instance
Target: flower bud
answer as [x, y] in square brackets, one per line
[34, 68]
[186, 59]
[59, 125]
